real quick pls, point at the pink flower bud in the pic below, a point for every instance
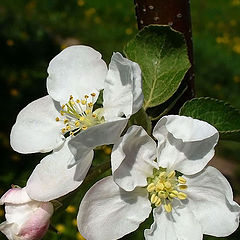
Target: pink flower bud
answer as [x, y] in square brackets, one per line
[26, 219]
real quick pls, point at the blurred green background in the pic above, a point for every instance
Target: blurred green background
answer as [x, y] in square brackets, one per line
[33, 32]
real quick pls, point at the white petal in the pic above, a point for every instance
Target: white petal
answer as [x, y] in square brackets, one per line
[133, 159]
[76, 71]
[211, 200]
[177, 225]
[85, 141]
[9, 229]
[122, 93]
[107, 212]
[52, 178]
[185, 144]
[15, 196]
[36, 129]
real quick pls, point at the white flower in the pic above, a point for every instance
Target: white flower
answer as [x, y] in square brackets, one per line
[76, 76]
[67, 122]
[147, 176]
[25, 219]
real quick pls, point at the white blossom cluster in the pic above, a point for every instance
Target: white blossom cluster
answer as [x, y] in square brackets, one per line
[166, 174]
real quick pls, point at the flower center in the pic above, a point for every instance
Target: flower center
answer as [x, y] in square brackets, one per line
[78, 115]
[164, 186]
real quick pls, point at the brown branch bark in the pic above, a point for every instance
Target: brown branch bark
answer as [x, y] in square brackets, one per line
[175, 13]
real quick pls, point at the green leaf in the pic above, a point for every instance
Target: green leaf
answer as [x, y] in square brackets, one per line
[218, 113]
[162, 55]
[141, 118]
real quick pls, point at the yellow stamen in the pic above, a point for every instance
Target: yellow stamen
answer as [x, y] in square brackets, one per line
[57, 119]
[167, 184]
[182, 195]
[63, 106]
[182, 180]
[93, 94]
[84, 127]
[87, 111]
[94, 115]
[66, 121]
[78, 101]
[168, 207]
[86, 96]
[77, 123]
[171, 174]
[183, 187]
[151, 187]
[81, 119]
[83, 102]
[64, 130]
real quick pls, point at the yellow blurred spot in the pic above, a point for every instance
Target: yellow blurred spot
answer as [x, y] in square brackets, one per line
[235, 2]
[15, 157]
[107, 150]
[97, 20]
[10, 42]
[80, 3]
[70, 209]
[217, 86]
[79, 236]
[14, 92]
[1, 212]
[74, 222]
[90, 12]
[233, 22]
[61, 228]
[236, 48]
[236, 79]
[128, 31]
[224, 39]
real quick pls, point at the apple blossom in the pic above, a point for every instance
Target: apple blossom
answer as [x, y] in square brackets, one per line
[26, 219]
[188, 199]
[76, 76]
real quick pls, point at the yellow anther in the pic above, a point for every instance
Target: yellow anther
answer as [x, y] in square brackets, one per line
[182, 180]
[158, 202]
[167, 184]
[93, 94]
[94, 115]
[86, 96]
[163, 194]
[171, 174]
[172, 195]
[66, 121]
[154, 198]
[162, 174]
[77, 123]
[84, 127]
[68, 127]
[183, 187]
[88, 111]
[168, 207]
[63, 130]
[151, 187]
[83, 102]
[57, 119]
[90, 104]
[160, 186]
[81, 119]
[71, 97]
[182, 195]
[78, 101]
[71, 133]
[72, 102]
[62, 113]
[174, 192]
[63, 106]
